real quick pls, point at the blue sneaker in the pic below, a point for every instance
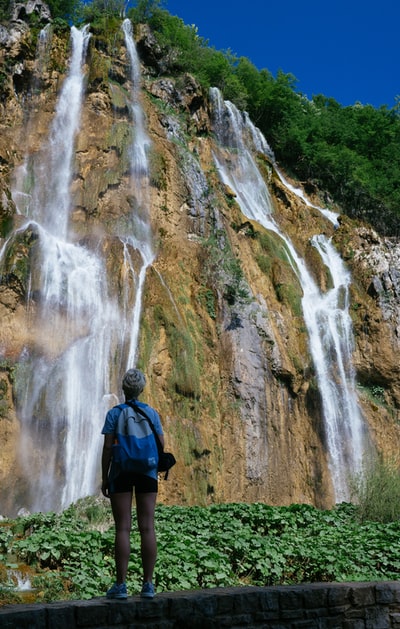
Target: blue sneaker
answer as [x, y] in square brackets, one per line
[117, 591]
[147, 590]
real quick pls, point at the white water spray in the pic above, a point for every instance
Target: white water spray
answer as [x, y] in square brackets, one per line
[65, 371]
[331, 344]
[141, 142]
[331, 216]
[77, 327]
[326, 315]
[51, 195]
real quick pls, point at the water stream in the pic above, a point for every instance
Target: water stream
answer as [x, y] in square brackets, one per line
[142, 239]
[66, 367]
[64, 376]
[326, 314]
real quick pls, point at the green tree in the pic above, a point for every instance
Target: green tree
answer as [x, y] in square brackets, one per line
[145, 10]
[5, 10]
[96, 9]
[65, 9]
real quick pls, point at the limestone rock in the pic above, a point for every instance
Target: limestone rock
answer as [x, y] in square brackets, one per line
[23, 9]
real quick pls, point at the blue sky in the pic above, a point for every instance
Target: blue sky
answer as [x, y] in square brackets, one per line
[347, 50]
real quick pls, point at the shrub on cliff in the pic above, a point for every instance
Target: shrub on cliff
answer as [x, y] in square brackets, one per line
[5, 10]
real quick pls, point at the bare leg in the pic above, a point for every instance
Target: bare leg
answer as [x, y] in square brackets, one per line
[145, 507]
[121, 505]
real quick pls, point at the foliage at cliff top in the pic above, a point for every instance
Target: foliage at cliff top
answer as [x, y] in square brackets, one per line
[70, 555]
[353, 153]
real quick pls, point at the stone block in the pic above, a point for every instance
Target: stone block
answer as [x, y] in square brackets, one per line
[315, 596]
[316, 612]
[306, 624]
[355, 613]
[291, 614]
[260, 616]
[225, 602]
[125, 613]
[60, 616]
[238, 621]
[352, 624]
[181, 607]
[206, 605]
[269, 600]
[333, 622]
[95, 612]
[338, 595]
[27, 617]
[385, 593]
[363, 594]
[377, 618]
[290, 598]
[153, 608]
[395, 587]
[248, 598]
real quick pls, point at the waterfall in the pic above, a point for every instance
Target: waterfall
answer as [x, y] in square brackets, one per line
[51, 196]
[141, 142]
[43, 52]
[331, 216]
[326, 315]
[65, 372]
[331, 342]
[142, 239]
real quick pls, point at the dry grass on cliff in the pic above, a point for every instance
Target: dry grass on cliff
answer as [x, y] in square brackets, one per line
[376, 490]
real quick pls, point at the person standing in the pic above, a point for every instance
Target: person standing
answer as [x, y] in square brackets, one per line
[118, 486]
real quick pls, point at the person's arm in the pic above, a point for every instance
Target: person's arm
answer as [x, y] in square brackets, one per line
[159, 432]
[105, 462]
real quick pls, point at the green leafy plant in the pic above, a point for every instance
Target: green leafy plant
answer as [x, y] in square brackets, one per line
[207, 299]
[200, 547]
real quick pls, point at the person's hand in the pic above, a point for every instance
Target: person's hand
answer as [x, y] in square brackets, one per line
[105, 489]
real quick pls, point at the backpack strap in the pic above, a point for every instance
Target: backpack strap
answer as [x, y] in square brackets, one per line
[121, 408]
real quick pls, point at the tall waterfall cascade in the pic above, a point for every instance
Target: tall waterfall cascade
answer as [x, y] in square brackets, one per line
[79, 328]
[142, 239]
[326, 314]
[146, 222]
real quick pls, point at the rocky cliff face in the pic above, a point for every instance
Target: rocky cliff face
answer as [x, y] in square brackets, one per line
[222, 337]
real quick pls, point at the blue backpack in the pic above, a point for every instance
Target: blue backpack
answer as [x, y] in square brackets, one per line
[135, 448]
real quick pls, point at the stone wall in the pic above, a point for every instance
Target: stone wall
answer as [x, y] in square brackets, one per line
[322, 606]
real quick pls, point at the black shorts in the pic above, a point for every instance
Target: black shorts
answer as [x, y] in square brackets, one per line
[126, 481]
